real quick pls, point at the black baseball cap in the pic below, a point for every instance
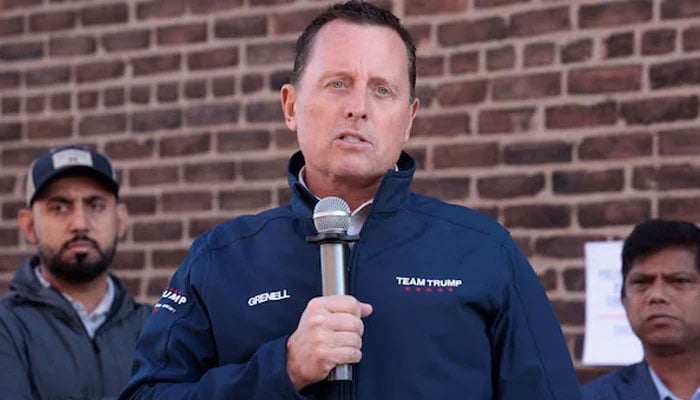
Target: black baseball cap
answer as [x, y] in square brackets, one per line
[68, 160]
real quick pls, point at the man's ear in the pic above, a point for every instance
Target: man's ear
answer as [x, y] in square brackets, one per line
[25, 222]
[412, 115]
[288, 96]
[122, 219]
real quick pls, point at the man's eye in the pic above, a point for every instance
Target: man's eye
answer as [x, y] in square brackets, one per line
[58, 208]
[337, 84]
[97, 206]
[383, 91]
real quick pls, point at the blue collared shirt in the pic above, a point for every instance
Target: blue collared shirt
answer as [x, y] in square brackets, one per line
[91, 320]
[664, 392]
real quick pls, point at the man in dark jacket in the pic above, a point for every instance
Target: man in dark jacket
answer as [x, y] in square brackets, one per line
[68, 327]
[443, 304]
[661, 296]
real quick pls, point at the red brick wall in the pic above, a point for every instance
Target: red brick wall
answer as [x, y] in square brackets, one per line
[566, 120]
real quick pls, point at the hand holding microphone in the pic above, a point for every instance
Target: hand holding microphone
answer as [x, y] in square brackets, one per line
[329, 335]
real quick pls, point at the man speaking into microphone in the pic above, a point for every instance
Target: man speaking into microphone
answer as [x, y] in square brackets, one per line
[440, 302]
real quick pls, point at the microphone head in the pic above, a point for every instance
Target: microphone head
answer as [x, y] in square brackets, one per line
[332, 214]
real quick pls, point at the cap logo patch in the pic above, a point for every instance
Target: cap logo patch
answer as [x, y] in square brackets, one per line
[69, 157]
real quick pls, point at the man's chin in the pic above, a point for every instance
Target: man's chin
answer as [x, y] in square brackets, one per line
[77, 273]
[665, 347]
[663, 339]
[359, 171]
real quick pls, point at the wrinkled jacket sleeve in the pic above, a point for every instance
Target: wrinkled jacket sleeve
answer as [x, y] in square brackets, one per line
[14, 380]
[532, 360]
[176, 357]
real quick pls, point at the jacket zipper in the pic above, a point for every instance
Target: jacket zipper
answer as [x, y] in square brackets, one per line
[348, 389]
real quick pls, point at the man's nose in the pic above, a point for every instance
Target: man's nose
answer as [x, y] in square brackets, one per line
[356, 104]
[79, 221]
[657, 292]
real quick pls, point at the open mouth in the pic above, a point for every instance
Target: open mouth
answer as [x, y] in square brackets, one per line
[351, 139]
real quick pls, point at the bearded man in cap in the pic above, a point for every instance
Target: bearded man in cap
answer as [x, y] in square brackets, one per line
[67, 326]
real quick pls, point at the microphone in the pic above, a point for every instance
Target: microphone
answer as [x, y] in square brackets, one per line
[332, 220]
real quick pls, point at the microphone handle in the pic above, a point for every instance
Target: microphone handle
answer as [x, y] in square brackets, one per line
[334, 279]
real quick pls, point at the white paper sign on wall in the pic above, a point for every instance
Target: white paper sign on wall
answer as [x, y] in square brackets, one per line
[608, 339]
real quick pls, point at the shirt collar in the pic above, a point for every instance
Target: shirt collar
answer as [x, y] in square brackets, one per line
[392, 192]
[357, 216]
[103, 306]
[664, 392]
[300, 177]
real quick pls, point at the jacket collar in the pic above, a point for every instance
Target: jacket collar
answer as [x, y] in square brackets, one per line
[25, 287]
[391, 194]
[636, 383]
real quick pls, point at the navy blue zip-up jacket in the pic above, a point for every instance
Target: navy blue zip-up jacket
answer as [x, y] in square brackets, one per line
[458, 311]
